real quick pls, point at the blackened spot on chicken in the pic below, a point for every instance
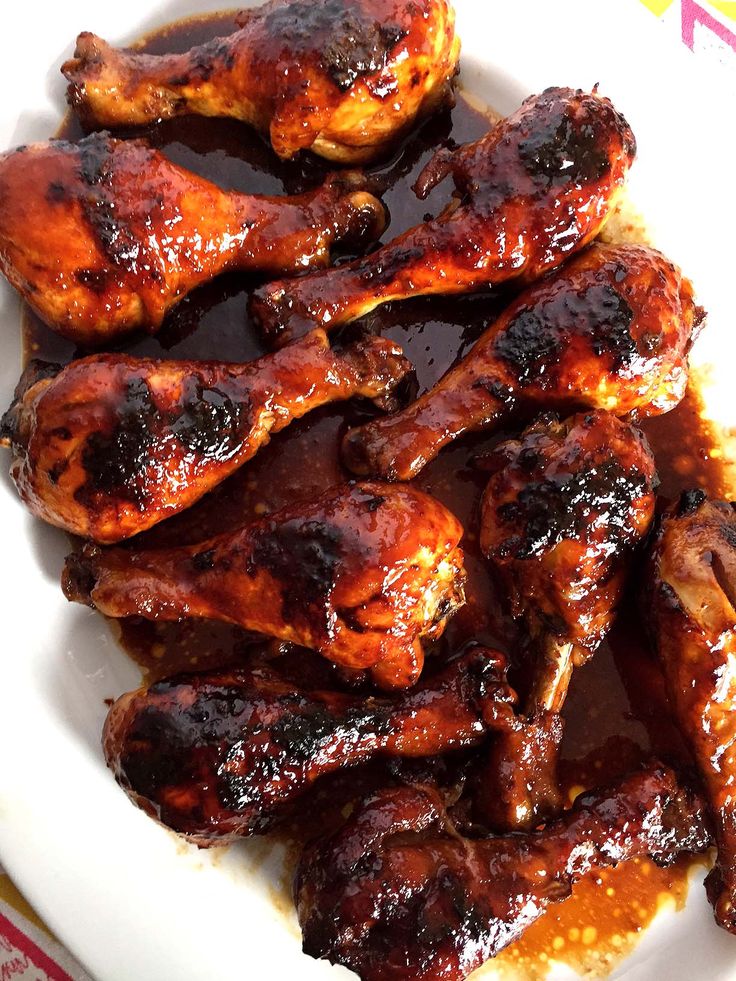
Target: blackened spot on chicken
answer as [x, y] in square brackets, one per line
[204, 561]
[690, 501]
[207, 422]
[373, 503]
[305, 558]
[529, 343]
[561, 150]
[56, 192]
[535, 339]
[560, 507]
[80, 575]
[56, 471]
[94, 279]
[211, 57]
[210, 422]
[94, 159]
[353, 45]
[609, 318]
[117, 241]
[114, 462]
[383, 275]
[303, 734]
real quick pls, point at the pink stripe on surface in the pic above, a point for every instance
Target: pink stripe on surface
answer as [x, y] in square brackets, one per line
[13, 942]
[692, 14]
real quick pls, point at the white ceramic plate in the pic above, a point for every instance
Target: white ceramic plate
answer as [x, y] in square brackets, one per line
[128, 899]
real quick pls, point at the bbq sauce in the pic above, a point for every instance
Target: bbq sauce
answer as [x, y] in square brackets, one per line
[616, 711]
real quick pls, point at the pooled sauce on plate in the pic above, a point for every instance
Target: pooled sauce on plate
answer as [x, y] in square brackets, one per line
[616, 713]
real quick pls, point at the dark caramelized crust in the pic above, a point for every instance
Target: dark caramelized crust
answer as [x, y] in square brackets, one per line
[360, 575]
[533, 191]
[610, 330]
[344, 78]
[562, 517]
[214, 756]
[397, 894]
[691, 609]
[104, 236]
[113, 444]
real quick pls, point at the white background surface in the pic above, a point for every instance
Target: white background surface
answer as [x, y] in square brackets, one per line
[127, 898]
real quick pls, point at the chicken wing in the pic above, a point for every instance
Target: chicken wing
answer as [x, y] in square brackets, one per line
[111, 445]
[344, 78]
[691, 610]
[214, 756]
[560, 521]
[360, 575]
[610, 330]
[534, 190]
[397, 894]
[104, 236]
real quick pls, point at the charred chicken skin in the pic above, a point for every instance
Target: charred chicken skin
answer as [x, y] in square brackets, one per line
[691, 607]
[611, 330]
[560, 521]
[397, 894]
[344, 78]
[533, 191]
[104, 236]
[111, 445]
[361, 574]
[214, 756]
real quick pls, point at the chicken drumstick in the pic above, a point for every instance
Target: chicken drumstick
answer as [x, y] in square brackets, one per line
[610, 330]
[398, 895]
[214, 756]
[691, 608]
[111, 445]
[534, 190]
[344, 78]
[560, 521]
[360, 575]
[104, 236]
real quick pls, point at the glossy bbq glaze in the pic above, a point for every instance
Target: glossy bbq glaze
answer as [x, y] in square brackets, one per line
[615, 710]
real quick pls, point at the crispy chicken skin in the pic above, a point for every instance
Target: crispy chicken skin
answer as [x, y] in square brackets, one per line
[691, 610]
[360, 575]
[561, 520]
[533, 191]
[215, 756]
[344, 78]
[104, 236]
[112, 444]
[397, 894]
[611, 330]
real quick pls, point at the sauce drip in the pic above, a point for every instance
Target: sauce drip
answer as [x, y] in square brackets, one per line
[616, 713]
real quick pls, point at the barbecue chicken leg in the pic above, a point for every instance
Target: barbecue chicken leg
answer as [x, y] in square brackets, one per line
[397, 894]
[560, 521]
[534, 190]
[344, 78]
[214, 756]
[691, 607]
[610, 330]
[360, 575]
[104, 236]
[111, 445]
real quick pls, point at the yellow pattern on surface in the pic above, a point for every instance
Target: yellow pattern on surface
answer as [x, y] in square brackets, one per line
[657, 7]
[10, 895]
[726, 7]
